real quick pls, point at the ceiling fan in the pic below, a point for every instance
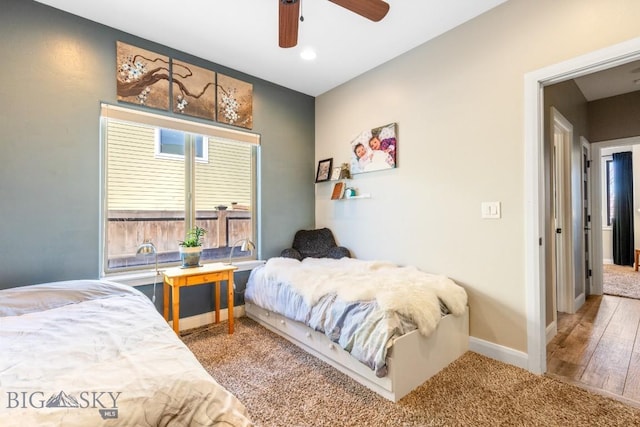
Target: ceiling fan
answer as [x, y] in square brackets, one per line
[289, 13]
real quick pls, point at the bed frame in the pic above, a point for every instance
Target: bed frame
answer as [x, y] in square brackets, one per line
[411, 361]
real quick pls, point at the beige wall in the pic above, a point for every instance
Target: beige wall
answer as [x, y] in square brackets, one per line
[458, 101]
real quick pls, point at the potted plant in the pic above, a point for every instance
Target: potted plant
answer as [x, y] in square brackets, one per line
[191, 247]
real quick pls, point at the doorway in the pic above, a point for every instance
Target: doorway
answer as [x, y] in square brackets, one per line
[535, 267]
[623, 280]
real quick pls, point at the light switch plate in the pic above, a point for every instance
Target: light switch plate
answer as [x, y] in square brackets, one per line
[491, 210]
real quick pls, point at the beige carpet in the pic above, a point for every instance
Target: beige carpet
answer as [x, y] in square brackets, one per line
[620, 280]
[282, 385]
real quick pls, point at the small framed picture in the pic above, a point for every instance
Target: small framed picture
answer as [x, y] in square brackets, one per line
[324, 169]
[335, 173]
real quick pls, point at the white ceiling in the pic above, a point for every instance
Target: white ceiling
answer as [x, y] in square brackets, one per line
[611, 82]
[243, 35]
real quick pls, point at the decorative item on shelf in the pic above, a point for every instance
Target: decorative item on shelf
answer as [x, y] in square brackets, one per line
[324, 170]
[345, 173]
[335, 173]
[191, 247]
[148, 248]
[349, 192]
[247, 245]
[338, 191]
[221, 207]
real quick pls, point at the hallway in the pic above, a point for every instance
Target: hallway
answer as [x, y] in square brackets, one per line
[598, 348]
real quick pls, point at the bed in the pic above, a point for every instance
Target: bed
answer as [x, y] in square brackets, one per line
[388, 327]
[98, 353]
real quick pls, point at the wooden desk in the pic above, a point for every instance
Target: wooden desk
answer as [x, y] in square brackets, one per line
[209, 273]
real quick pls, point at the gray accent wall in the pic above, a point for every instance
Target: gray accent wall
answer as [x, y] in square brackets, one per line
[56, 70]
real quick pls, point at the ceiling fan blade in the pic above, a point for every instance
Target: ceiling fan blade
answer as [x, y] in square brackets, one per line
[374, 10]
[288, 13]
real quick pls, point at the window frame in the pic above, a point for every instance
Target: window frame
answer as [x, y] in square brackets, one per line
[170, 156]
[111, 112]
[609, 191]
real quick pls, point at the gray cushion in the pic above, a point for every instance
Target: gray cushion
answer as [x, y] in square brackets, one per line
[318, 243]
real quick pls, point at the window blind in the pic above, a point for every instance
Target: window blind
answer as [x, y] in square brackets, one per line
[137, 116]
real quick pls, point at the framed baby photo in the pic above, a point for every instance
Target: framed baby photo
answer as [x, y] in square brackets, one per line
[374, 149]
[324, 170]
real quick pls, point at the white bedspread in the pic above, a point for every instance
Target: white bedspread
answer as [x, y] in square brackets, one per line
[97, 353]
[405, 290]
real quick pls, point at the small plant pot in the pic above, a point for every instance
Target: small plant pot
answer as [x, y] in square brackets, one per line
[190, 256]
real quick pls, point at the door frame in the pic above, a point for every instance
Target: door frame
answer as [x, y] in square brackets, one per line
[596, 194]
[586, 171]
[534, 264]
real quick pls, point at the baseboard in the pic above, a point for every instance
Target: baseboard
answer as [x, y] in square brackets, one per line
[552, 330]
[208, 318]
[578, 302]
[607, 261]
[499, 352]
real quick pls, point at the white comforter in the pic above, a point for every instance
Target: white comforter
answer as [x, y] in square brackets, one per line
[405, 290]
[97, 353]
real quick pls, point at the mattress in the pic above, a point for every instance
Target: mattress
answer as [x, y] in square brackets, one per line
[98, 353]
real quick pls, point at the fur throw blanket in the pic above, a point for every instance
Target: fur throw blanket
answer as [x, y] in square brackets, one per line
[406, 290]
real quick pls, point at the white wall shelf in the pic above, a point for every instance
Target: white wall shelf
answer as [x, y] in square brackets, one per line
[359, 196]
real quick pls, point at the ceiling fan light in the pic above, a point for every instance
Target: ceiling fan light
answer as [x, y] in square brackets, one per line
[308, 54]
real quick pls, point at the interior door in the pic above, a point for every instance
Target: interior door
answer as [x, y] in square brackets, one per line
[564, 259]
[558, 225]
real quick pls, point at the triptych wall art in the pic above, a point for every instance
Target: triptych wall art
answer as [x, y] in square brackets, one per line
[156, 81]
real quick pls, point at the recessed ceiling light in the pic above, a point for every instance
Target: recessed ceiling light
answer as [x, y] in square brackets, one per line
[308, 54]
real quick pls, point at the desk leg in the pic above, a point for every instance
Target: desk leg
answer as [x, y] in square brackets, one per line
[230, 300]
[165, 301]
[216, 286]
[175, 301]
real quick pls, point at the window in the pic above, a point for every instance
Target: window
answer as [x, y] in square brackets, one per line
[170, 143]
[610, 181]
[162, 176]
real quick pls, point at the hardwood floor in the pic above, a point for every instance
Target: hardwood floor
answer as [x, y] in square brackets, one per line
[599, 347]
